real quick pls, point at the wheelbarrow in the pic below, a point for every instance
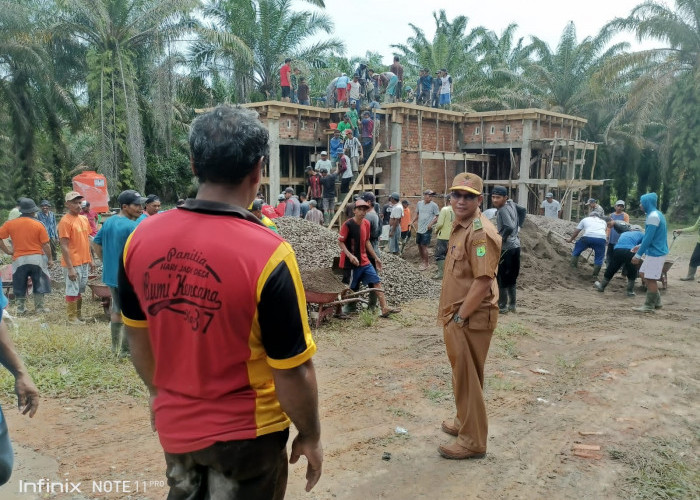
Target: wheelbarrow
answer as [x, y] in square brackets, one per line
[325, 295]
[101, 292]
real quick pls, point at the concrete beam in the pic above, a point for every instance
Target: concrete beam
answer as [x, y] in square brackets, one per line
[396, 133]
[273, 127]
[525, 154]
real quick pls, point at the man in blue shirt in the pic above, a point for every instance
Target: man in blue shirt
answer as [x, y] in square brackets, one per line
[48, 219]
[109, 246]
[336, 147]
[654, 248]
[629, 237]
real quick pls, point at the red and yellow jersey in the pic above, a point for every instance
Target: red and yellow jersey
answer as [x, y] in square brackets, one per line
[224, 304]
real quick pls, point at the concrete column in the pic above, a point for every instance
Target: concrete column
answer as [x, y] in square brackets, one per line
[525, 154]
[273, 127]
[396, 133]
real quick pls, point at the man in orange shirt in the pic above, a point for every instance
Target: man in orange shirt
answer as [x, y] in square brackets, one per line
[30, 243]
[76, 259]
[405, 224]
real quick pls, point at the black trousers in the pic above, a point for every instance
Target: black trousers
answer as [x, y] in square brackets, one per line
[40, 282]
[695, 258]
[250, 469]
[621, 257]
[508, 268]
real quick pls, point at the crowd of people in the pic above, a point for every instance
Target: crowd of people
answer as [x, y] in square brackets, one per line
[236, 306]
[367, 87]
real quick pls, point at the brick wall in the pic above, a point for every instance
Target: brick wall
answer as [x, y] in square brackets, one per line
[512, 131]
[436, 135]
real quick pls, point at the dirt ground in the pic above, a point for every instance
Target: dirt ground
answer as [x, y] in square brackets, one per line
[572, 366]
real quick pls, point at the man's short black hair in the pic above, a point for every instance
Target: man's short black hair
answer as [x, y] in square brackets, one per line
[287, 60]
[396, 58]
[226, 144]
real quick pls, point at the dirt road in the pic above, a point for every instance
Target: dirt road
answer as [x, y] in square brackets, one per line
[572, 367]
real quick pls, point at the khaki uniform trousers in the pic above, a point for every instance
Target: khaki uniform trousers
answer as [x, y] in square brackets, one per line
[467, 350]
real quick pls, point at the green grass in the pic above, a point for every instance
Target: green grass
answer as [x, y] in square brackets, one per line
[506, 339]
[662, 468]
[368, 317]
[73, 361]
[437, 394]
[500, 384]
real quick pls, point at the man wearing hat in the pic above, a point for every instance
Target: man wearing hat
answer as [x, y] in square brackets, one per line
[356, 251]
[468, 313]
[314, 214]
[509, 264]
[109, 246]
[48, 219]
[619, 215]
[395, 223]
[594, 208]
[550, 207]
[256, 209]
[426, 216]
[91, 216]
[76, 259]
[324, 162]
[151, 205]
[293, 207]
[31, 254]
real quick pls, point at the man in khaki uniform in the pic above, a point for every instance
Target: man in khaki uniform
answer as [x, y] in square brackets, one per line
[468, 313]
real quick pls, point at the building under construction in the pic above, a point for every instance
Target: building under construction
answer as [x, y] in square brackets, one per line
[530, 151]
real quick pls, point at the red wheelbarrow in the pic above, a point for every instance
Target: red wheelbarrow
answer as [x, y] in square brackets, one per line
[326, 295]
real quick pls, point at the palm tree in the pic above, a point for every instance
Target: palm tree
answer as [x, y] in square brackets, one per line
[122, 38]
[561, 80]
[666, 90]
[248, 40]
[451, 48]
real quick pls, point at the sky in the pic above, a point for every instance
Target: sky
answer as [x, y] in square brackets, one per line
[377, 24]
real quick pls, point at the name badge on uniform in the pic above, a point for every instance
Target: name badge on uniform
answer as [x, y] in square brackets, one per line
[477, 224]
[481, 250]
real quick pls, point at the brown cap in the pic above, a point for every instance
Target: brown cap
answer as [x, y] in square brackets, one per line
[73, 195]
[469, 182]
[361, 203]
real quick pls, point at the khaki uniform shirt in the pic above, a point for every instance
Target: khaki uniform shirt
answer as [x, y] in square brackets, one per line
[473, 251]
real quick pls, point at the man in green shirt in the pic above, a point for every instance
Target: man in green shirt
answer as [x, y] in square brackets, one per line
[695, 258]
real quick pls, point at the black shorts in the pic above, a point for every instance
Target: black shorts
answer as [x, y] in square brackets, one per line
[424, 238]
[286, 91]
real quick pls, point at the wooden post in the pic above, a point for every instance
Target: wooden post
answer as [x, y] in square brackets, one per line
[349, 194]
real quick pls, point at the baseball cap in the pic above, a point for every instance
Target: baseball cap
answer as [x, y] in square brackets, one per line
[257, 204]
[429, 191]
[130, 197]
[368, 197]
[635, 227]
[289, 190]
[151, 198]
[469, 182]
[323, 170]
[27, 206]
[312, 203]
[395, 196]
[324, 153]
[549, 195]
[591, 200]
[361, 203]
[620, 202]
[84, 203]
[73, 195]
[45, 203]
[500, 191]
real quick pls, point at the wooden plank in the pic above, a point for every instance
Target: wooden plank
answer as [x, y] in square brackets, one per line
[357, 182]
[444, 155]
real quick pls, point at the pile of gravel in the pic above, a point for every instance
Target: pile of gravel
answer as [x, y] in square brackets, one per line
[316, 247]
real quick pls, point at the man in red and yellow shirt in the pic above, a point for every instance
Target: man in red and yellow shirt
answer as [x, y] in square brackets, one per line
[217, 327]
[76, 259]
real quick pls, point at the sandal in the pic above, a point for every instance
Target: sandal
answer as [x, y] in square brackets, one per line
[389, 311]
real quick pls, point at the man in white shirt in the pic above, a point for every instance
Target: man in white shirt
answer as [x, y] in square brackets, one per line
[426, 215]
[395, 223]
[324, 162]
[550, 207]
[353, 144]
[595, 237]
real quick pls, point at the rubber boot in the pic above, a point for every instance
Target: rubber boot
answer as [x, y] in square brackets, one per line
[657, 304]
[511, 298]
[574, 260]
[691, 273]
[502, 300]
[649, 304]
[116, 330]
[72, 310]
[79, 309]
[372, 301]
[440, 270]
[596, 271]
[600, 285]
[21, 306]
[39, 303]
[630, 288]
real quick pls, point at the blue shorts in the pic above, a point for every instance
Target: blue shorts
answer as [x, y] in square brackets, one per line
[444, 99]
[365, 274]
